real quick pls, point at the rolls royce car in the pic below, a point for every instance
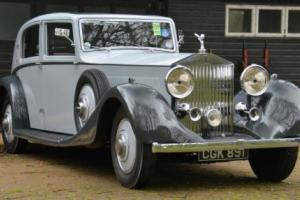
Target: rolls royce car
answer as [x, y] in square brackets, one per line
[119, 81]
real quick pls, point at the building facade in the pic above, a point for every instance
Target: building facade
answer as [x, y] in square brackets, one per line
[230, 26]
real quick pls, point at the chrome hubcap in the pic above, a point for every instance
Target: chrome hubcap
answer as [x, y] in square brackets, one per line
[125, 146]
[7, 124]
[86, 104]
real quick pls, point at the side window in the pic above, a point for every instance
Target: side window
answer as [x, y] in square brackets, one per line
[293, 25]
[31, 42]
[58, 45]
[240, 20]
[267, 15]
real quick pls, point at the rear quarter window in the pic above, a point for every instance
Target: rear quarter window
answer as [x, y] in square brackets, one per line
[31, 42]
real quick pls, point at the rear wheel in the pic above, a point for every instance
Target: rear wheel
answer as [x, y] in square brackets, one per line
[273, 164]
[86, 104]
[91, 87]
[12, 144]
[133, 160]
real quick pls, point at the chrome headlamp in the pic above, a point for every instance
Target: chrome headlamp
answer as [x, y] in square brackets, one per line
[255, 80]
[180, 82]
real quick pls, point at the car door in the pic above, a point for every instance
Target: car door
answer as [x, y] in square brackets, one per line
[30, 74]
[59, 75]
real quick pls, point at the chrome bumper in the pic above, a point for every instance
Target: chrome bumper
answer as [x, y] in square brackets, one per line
[238, 144]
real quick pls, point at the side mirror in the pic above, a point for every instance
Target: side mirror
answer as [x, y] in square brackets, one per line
[180, 37]
[65, 33]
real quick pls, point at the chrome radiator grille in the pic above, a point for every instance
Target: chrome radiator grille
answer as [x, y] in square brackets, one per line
[214, 88]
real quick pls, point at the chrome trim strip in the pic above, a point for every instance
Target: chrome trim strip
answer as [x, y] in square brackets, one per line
[31, 64]
[238, 144]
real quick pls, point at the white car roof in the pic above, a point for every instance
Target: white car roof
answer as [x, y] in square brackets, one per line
[70, 16]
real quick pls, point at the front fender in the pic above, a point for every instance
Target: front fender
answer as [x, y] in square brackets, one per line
[280, 106]
[152, 118]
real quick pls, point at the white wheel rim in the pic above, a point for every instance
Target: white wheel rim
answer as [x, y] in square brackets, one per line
[125, 146]
[86, 104]
[7, 124]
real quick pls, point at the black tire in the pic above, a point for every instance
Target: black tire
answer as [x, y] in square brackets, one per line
[144, 165]
[273, 164]
[98, 82]
[16, 145]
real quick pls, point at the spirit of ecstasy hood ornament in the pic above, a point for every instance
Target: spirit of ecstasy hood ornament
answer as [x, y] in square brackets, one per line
[201, 40]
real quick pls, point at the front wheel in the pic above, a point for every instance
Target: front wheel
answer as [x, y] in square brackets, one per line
[133, 160]
[273, 164]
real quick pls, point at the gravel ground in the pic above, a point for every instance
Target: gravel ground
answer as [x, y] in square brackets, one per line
[54, 173]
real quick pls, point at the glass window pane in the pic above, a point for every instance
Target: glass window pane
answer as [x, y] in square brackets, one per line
[99, 34]
[294, 25]
[57, 45]
[31, 42]
[240, 20]
[269, 21]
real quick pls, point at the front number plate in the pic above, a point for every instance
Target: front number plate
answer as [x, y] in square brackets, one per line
[223, 155]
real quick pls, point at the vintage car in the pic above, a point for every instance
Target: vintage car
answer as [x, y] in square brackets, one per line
[119, 81]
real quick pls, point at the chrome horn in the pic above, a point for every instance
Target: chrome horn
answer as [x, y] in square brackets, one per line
[254, 113]
[213, 117]
[195, 114]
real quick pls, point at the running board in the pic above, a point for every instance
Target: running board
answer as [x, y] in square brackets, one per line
[49, 138]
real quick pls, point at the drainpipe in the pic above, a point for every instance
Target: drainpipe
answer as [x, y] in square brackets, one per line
[266, 56]
[245, 55]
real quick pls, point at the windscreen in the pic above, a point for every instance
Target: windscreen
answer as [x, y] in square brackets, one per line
[99, 34]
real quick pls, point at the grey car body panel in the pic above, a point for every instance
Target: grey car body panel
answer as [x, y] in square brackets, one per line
[48, 111]
[280, 111]
[130, 57]
[158, 124]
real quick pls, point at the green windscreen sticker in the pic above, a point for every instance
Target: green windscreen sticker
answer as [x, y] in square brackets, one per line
[156, 29]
